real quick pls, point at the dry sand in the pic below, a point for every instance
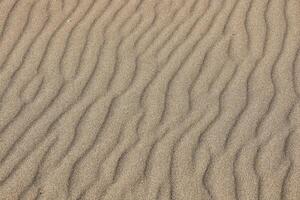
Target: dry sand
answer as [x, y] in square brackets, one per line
[149, 99]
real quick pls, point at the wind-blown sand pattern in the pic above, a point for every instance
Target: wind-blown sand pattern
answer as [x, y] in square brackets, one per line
[149, 99]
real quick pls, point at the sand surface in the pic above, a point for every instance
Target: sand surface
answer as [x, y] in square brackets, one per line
[149, 99]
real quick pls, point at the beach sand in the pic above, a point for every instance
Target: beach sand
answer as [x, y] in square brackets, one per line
[149, 99]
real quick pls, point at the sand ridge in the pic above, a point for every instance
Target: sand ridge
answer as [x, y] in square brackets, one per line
[149, 99]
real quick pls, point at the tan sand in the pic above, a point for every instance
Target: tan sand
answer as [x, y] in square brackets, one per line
[149, 99]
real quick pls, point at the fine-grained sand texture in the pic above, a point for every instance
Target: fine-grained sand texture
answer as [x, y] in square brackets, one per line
[149, 99]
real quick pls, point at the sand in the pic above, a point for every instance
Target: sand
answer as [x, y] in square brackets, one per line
[149, 99]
